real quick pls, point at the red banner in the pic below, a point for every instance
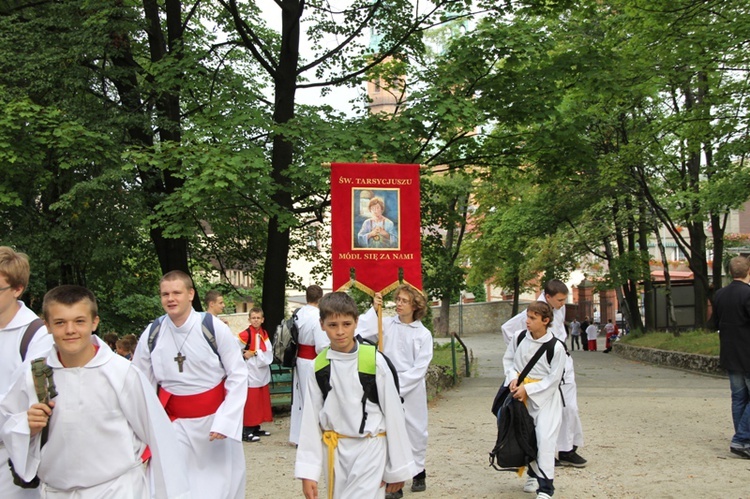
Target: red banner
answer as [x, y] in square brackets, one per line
[375, 226]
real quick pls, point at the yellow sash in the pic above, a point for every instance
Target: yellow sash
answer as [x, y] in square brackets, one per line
[331, 439]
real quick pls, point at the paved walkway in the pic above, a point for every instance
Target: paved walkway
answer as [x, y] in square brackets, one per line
[650, 432]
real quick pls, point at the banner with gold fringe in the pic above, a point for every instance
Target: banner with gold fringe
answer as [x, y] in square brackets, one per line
[375, 226]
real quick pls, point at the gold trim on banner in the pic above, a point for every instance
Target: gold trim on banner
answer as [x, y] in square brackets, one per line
[384, 291]
[328, 165]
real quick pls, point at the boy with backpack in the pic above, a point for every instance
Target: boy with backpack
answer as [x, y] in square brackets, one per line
[540, 391]
[201, 379]
[352, 415]
[22, 335]
[258, 355]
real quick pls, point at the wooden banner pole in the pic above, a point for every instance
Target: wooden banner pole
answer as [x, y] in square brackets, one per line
[380, 327]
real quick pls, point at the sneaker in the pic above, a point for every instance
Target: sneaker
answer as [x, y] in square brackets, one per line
[418, 485]
[743, 452]
[394, 495]
[262, 433]
[543, 495]
[571, 459]
[531, 485]
[250, 438]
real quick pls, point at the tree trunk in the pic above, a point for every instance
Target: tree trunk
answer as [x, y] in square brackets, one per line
[277, 242]
[516, 292]
[644, 229]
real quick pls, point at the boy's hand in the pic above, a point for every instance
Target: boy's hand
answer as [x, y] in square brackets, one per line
[512, 385]
[377, 302]
[519, 393]
[214, 435]
[310, 488]
[394, 487]
[248, 353]
[38, 415]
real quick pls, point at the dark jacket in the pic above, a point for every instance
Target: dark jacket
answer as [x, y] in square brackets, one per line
[732, 318]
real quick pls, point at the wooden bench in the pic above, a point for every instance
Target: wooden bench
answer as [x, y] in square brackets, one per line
[282, 380]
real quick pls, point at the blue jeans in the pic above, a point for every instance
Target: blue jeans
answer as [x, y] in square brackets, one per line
[739, 383]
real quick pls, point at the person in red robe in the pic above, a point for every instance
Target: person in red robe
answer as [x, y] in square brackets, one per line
[258, 354]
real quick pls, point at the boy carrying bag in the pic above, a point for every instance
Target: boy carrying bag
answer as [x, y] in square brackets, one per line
[534, 386]
[516, 437]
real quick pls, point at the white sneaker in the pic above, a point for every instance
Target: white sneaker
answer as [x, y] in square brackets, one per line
[543, 495]
[531, 485]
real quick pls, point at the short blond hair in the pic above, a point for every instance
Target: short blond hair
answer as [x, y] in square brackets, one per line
[14, 267]
[178, 275]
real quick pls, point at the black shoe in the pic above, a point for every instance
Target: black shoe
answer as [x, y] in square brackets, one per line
[250, 438]
[557, 462]
[394, 495]
[571, 459]
[262, 433]
[418, 485]
[743, 452]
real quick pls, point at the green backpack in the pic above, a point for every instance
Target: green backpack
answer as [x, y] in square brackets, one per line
[366, 365]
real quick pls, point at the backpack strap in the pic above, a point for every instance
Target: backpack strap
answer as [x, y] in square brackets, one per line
[532, 362]
[28, 335]
[323, 372]
[366, 365]
[293, 328]
[153, 332]
[207, 328]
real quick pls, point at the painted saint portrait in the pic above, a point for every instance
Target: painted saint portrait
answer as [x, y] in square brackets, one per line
[376, 218]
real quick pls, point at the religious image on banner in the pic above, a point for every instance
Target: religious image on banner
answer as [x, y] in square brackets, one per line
[375, 215]
[375, 226]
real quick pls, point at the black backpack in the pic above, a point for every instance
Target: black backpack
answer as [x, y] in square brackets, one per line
[516, 444]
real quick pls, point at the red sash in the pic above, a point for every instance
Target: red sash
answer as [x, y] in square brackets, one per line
[192, 406]
[306, 352]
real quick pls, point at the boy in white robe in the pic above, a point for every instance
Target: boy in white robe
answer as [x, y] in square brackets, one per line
[409, 346]
[17, 322]
[540, 391]
[361, 464]
[311, 341]
[570, 437]
[202, 390]
[100, 422]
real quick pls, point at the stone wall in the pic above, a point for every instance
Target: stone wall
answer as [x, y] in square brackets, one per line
[707, 364]
[479, 318]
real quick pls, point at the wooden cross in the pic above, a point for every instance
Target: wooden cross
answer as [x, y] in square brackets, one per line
[179, 359]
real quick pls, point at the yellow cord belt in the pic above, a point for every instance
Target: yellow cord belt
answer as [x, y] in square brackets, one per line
[331, 439]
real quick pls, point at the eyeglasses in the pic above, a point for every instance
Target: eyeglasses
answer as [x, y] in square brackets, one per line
[405, 301]
[5, 288]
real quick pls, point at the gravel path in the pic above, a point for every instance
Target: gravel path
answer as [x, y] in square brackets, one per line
[650, 433]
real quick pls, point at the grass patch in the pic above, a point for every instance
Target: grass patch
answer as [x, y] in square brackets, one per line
[441, 355]
[698, 341]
